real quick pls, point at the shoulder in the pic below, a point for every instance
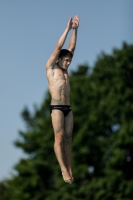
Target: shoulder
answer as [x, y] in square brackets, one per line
[49, 65]
[50, 70]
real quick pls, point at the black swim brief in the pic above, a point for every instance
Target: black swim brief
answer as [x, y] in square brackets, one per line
[64, 108]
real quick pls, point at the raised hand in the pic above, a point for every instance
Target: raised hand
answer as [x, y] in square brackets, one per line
[69, 25]
[75, 22]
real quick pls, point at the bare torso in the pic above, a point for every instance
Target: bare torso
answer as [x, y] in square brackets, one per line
[59, 86]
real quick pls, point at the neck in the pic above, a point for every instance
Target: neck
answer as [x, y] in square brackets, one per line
[65, 70]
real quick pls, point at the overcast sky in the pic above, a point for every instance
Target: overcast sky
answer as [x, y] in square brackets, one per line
[29, 30]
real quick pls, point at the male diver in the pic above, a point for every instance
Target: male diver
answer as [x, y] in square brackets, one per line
[59, 87]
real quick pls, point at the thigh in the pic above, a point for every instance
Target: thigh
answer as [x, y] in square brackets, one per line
[69, 124]
[57, 121]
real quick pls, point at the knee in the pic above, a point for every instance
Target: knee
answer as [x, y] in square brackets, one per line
[67, 139]
[59, 138]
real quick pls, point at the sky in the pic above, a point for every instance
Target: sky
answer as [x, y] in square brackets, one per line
[29, 31]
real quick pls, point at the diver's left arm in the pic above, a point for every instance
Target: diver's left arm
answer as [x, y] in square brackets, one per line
[73, 39]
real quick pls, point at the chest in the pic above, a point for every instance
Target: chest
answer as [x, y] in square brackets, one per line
[61, 75]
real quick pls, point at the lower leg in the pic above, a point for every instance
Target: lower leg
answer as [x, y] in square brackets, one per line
[67, 154]
[58, 148]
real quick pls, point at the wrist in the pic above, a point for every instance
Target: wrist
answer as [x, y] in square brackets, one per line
[67, 29]
[75, 28]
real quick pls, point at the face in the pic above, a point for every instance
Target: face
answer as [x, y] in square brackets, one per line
[65, 62]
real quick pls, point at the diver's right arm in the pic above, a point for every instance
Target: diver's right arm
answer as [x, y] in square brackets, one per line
[54, 56]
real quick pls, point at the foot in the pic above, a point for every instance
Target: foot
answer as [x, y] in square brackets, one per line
[67, 178]
[72, 179]
[70, 172]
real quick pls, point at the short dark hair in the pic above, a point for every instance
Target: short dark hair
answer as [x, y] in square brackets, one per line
[65, 52]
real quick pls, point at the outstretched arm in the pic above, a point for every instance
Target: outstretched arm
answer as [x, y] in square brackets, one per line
[54, 56]
[72, 43]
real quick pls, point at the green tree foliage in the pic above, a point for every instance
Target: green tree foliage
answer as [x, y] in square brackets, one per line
[102, 147]
[5, 190]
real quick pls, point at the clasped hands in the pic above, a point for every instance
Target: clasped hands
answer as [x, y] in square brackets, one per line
[73, 23]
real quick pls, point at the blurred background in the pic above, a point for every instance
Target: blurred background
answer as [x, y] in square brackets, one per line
[28, 35]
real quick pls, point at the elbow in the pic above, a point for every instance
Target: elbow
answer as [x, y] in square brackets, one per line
[58, 46]
[72, 49]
